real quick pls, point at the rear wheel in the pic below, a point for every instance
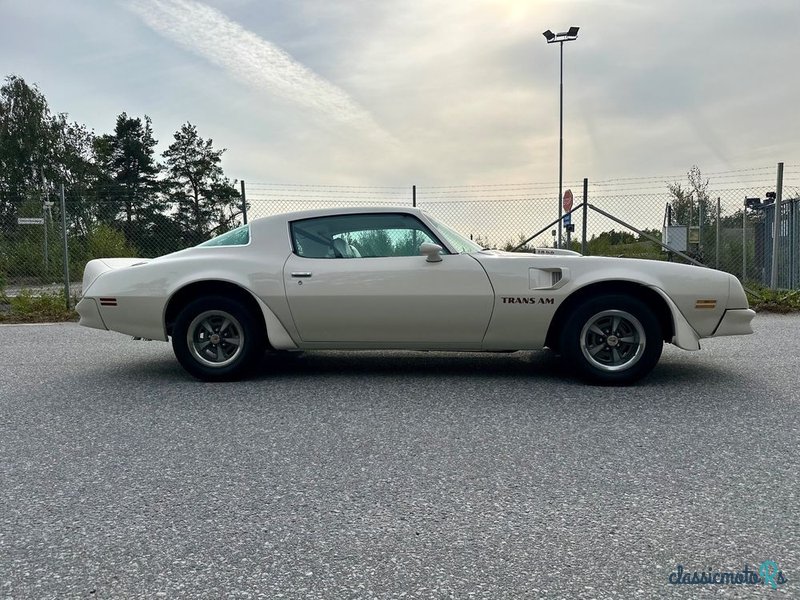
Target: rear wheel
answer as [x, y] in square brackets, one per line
[612, 339]
[217, 338]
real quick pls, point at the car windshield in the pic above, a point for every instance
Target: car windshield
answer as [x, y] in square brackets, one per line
[236, 237]
[455, 239]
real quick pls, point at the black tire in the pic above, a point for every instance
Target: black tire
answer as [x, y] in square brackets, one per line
[612, 340]
[217, 339]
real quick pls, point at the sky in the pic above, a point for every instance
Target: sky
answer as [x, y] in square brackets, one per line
[427, 92]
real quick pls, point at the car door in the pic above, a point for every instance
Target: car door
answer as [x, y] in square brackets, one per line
[358, 280]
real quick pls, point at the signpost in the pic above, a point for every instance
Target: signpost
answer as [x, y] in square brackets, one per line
[567, 205]
[30, 221]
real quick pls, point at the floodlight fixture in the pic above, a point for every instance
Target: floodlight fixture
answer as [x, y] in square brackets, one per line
[559, 38]
[752, 203]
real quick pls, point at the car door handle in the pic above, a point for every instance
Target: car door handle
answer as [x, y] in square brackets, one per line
[303, 274]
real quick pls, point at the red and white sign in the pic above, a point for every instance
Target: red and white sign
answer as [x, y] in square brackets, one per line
[568, 201]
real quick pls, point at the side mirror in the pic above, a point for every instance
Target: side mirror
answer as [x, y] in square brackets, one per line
[432, 251]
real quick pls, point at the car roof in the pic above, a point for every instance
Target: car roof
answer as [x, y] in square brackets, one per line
[346, 210]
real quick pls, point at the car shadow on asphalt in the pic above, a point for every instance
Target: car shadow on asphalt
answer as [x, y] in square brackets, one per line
[539, 366]
[411, 363]
[543, 366]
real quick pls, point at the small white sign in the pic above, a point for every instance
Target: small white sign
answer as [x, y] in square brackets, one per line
[30, 221]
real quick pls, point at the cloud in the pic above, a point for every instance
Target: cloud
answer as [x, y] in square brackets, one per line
[252, 60]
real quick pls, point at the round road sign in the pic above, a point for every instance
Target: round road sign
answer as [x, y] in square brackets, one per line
[568, 200]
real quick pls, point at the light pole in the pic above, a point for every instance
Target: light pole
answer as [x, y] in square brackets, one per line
[559, 38]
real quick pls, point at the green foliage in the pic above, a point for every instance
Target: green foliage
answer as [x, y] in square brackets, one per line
[106, 242]
[160, 236]
[374, 243]
[526, 247]
[29, 308]
[130, 189]
[383, 242]
[37, 148]
[623, 243]
[120, 200]
[205, 199]
[408, 243]
[691, 205]
[25, 255]
[26, 136]
[780, 301]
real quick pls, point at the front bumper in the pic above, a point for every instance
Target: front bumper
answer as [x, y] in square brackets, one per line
[735, 322]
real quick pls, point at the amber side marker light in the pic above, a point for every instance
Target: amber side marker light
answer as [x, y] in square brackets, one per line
[705, 304]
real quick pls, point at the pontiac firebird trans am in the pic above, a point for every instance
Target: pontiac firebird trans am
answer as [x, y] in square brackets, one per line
[379, 278]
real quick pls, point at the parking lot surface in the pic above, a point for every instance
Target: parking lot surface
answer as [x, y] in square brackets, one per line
[394, 474]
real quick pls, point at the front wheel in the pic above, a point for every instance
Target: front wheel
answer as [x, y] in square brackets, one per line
[216, 338]
[612, 340]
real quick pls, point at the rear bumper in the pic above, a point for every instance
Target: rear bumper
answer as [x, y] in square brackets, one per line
[735, 322]
[90, 314]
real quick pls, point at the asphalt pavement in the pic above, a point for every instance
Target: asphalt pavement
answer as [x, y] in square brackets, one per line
[394, 474]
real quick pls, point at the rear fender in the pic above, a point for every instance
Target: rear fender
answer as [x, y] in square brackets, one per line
[278, 337]
[96, 267]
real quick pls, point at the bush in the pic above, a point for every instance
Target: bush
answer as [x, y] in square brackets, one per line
[103, 241]
[106, 242]
[779, 301]
[29, 308]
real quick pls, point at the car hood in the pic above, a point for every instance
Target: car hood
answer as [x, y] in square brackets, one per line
[534, 252]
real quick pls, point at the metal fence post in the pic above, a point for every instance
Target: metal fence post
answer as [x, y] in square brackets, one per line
[793, 250]
[585, 209]
[66, 247]
[716, 249]
[776, 227]
[244, 204]
[744, 244]
[46, 276]
[700, 217]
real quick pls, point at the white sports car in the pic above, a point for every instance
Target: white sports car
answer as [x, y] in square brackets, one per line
[377, 278]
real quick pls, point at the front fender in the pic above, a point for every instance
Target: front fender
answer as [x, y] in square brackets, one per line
[685, 336]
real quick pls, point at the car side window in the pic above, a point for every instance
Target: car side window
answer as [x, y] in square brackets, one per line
[378, 235]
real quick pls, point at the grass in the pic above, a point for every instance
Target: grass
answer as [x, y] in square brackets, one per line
[40, 308]
[48, 307]
[776, 301]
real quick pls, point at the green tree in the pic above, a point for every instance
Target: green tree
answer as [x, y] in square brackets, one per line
[78, 171]
[28, 139]
[205, 200]
[374, 242]
[127, 187]
[525, 247]
[691, 205]
[38, 152]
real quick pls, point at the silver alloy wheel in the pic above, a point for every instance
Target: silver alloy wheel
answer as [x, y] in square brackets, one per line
[215, 338]
[613, 340]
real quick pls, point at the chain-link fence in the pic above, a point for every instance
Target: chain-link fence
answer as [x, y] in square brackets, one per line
[726, 223]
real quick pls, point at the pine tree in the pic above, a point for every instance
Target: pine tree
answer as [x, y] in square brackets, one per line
[205, 199]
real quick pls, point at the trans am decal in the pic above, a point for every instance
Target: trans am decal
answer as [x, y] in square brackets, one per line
[526, 300]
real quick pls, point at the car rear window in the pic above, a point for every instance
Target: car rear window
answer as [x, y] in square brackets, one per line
[236, 237]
